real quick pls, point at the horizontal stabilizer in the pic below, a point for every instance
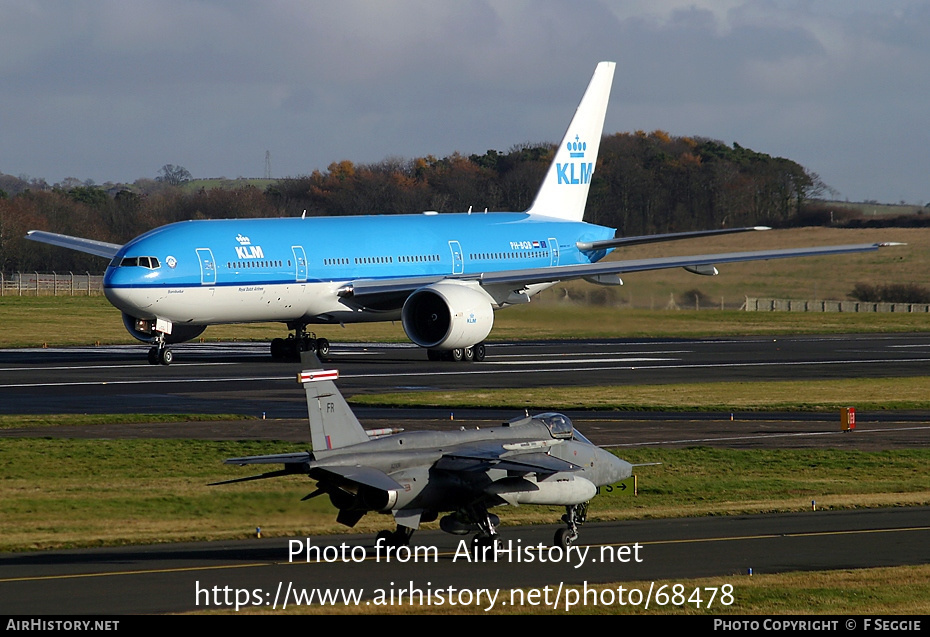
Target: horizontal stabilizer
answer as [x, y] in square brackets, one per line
[263, 476]
[619, 242]
[300, 457]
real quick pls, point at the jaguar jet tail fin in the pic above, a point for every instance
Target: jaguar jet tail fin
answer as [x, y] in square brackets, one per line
[332, 423]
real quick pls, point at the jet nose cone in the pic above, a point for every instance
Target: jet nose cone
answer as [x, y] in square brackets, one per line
[612, 468]
[621, 469]
[128, 299]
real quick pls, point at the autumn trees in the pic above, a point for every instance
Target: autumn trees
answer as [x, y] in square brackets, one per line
[644, 183]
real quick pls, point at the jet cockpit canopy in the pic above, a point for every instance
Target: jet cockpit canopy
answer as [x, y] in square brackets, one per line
[559, 425]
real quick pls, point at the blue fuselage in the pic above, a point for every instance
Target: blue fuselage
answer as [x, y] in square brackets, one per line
[289, 268]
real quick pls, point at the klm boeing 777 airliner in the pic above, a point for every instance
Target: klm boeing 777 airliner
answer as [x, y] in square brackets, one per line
[441, 275]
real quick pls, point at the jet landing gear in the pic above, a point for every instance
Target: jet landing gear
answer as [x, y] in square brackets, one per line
[575, 516]
[461, 354]
[300, 341]
[400, 537]
[487, 536]
[159, 354]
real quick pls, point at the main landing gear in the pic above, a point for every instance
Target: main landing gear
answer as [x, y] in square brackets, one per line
[300, 341]
[487, 536]
[575, 516]
[400, 537]
[461, 354]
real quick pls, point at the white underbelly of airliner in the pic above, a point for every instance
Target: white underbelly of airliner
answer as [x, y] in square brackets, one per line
[230, 304]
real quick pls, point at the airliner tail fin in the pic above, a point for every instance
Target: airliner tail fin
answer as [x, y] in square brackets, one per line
[564, 191]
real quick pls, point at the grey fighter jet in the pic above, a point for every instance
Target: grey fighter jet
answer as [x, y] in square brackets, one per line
[417, 476]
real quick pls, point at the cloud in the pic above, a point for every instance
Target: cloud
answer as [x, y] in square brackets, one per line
[113, 90]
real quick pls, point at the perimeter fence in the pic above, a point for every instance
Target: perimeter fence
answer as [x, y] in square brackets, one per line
[53, 284]
[791, 305]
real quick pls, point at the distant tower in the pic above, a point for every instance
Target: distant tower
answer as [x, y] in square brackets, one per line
[267, 164]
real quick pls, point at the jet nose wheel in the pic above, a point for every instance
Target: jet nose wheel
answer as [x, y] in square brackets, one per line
[564, 538]
[160, 356]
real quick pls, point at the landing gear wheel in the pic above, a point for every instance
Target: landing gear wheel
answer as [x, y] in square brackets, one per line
[279, 349]
[322, 349]
[458, 354]
[160, 356]
[575, 516]
[468, 354]
[483, 542]
[400, 537]
[564, 538]
[479, 352]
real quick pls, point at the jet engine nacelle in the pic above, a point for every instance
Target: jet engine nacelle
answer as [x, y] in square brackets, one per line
[143, 330]
[448, 316]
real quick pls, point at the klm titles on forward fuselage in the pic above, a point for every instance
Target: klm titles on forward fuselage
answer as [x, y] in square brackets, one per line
[249, 252]
[245, 249]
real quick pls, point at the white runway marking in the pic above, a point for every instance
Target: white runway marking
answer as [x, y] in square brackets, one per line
[579, 361]
[691, 441]
[474, 368]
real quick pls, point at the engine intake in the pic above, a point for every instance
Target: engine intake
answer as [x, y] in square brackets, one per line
[448, 316]
[365, 499]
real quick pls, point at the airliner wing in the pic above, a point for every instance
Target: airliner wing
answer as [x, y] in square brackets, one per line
[562, 273]
[99, 248]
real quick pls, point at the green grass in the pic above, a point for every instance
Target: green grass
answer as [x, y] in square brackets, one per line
[63, 493]
[874, 394]
[581, 310]
[80, 420]
[50, 321]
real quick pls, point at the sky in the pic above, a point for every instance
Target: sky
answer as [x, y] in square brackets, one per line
[112, 90]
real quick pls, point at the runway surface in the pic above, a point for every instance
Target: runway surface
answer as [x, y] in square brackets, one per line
[241, 378]
[201, 576]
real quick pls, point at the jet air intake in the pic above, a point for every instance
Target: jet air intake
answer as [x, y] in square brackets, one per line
[365, 499]
[447, 316]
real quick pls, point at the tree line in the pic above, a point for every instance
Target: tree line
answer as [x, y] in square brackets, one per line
[644, 183]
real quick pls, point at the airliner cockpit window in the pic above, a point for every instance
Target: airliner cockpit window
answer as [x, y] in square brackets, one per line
[559, 425]
[146, 262]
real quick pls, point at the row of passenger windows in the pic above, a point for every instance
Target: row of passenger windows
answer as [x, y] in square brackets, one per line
[417, 258]
[242, 265]
[531, 254]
